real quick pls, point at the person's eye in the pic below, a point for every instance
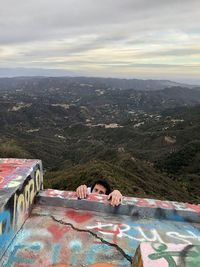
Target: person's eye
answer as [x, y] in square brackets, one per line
[95, 190]
[101, 192]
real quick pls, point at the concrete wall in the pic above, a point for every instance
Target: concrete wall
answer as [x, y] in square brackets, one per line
[64, 231]
[55, 234]
[131, 206]
[20, 181]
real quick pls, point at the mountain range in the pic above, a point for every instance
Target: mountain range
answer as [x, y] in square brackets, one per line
[141, 135]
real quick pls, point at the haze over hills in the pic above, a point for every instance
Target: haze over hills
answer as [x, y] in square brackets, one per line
[28, 72]
[139, 84]
[130, 131]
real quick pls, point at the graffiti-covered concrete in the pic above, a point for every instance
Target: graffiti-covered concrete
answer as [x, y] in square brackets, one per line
[167, 255]
[131, 206]
[20, 181]
[63, 231]
[56, 235]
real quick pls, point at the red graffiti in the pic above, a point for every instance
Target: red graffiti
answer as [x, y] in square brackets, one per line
[78, 217]
[164, 204]
[7, 168]
[12, 168]
[116, 231]
[58, 232]
[60, 194]
[5, 171]
[97, 198]
[194, 207]
[143, 202]
[152, 203]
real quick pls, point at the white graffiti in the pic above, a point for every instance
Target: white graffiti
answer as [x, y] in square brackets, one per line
[137, 233]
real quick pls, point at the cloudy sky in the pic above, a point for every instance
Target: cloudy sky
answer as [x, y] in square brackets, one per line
[116, 38]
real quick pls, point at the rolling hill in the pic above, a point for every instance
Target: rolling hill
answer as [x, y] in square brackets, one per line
[145, 142]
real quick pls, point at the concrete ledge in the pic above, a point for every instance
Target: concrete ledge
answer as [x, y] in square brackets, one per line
[166, 255]
[20, 181]
[53, 235]
[143, 208]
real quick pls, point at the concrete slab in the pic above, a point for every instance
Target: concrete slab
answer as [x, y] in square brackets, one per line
[20, 181]
[60, 230]
[57, 235]
[131, 206]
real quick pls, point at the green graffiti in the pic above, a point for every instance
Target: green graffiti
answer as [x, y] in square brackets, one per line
[168, 255]
[195, 261]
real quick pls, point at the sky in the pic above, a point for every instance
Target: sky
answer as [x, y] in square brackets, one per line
[107, 38]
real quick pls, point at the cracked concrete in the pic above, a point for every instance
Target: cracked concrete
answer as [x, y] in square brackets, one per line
[57, 235]
[54, 235]
[63, 231]
[125, 255]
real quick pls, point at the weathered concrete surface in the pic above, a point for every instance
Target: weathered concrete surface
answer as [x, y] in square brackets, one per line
[60, 235]
[55, 235]
[166, 255]
[63, 231]
[20, 181]
[140, 207]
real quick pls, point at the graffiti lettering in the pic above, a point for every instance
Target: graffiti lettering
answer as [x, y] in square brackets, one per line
[6, 229]
[183, 238]
[162, 252]
[139, 202]
[17, 207]
[16, 259]
[137, 233]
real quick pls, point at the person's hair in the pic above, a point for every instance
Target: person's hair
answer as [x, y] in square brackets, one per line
[104, 184]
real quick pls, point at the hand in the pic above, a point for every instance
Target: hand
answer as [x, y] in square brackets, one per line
[115, 197]
[81, 191]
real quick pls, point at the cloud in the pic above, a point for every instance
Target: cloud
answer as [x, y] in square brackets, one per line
[82, 33]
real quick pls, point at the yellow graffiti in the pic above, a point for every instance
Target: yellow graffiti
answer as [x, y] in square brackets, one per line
[29, 193]
[20, 210]
[14, 211]
[39, 180]
[16, 182]
[23, 202]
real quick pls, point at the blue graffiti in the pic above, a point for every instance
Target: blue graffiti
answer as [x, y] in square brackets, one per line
[16, 259]
[75, 247]
[55, 253]
[7, 231]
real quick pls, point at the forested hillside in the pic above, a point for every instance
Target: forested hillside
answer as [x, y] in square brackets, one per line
[144, 140]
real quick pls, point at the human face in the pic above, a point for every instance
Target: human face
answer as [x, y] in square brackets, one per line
[99, 189]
